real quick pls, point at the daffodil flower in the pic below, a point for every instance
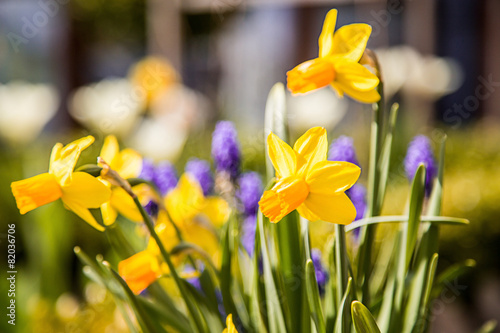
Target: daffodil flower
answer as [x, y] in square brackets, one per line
[338, 63]
[195, 216]
[230, 326]
[79, 191]
[306, 181]
[127, 163]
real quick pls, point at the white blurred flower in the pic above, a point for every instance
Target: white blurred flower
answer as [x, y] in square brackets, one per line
[430, 77]
[25, 109]
[159, 140]
[111, 106]
[318, 108]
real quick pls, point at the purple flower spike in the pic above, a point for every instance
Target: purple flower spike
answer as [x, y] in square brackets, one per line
[148, 170]
[321, 272]
[200, 170]
[249, 192]
[248, 233]
[342, 149]
[165, 177]
[357, 194]
[225, 148]
[420, 151]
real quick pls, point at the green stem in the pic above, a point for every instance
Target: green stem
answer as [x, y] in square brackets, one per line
[341, 266]
[195, 315]
[368, 232]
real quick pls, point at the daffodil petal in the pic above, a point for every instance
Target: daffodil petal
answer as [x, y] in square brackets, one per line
[109, 214]
[326, 38]
[349, 41]
[216, 210]
[306, 213]
[128, 163]
[336, 208]
[355, 76]
[63, 160]
[109, 149]
[312, 147]
[332, 177]
[282, 156]
[140, 270]
[230, 328]
[82, 212]
[86, 191]
[370, 96]
[124, 204]
[186, 200]
[35, 191]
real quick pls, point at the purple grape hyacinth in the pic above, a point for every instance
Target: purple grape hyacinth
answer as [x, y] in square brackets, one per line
[200, 170]
[357, 194]
[420, 151]
[225, 149]
[248, 228]
[148, 170]
[165, 177]
[342, 149]
[319, 269]
[249, 192]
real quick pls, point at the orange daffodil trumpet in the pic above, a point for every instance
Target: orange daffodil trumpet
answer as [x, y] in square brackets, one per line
[306, 181]
[338, 63]
[78, 191]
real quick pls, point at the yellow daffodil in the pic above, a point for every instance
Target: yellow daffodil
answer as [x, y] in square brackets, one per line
[230, 326]
[140, 270]
[127, 163]
[79, 191]
[306, 181]
[153, 75]
[338, 63]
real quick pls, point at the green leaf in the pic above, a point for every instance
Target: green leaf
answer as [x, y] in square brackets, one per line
[416, 202]
[313, 297]
[273, 299]
[362, 318]
[436, 198]
[385, 155]
[446, 220]
[339, 322]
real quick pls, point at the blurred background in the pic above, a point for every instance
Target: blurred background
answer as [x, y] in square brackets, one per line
[158, 74]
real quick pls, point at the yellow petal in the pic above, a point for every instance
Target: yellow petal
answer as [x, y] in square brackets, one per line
[128, 163]
[140, 270]
[166, 232]
[370, 96]
[63, 160]
[197, 233]
[306, 213]
[282, 156]
[186, 200]
[310, 75]
[354, 76]
[312, 147]
[35, 191]
[86, 191]
[124, 204]
[216, 210]
[326, 38]
[109, 149]
[82, 212]
[331, 208]
[349, 41]
[230, 328]
[109, 214]
[332, 177]
[288, 194]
